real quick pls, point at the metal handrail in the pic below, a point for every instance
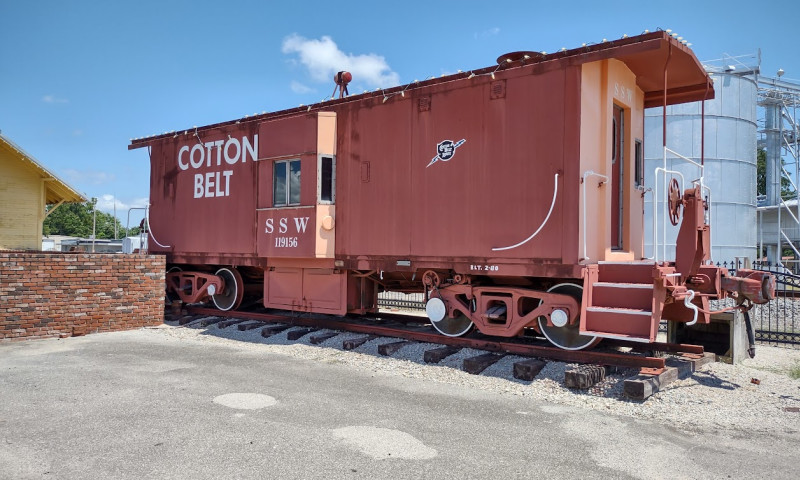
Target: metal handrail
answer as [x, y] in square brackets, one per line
[655, 210]
[666, 171]
[128, 222]
[587, 174]
[150, 230]
[147, 223]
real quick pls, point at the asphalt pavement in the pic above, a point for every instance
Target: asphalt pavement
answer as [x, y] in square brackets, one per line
[136, 405]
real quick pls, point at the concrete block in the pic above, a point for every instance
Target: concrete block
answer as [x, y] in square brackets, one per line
[725, 336]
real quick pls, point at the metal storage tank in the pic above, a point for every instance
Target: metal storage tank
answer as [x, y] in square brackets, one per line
[730, 166]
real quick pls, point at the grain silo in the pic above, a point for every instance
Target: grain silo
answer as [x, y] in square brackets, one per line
[730, 166]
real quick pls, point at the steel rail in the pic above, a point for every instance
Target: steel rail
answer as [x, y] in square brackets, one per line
[416, 334]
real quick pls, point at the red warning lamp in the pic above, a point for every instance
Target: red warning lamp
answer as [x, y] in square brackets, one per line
[341, 79]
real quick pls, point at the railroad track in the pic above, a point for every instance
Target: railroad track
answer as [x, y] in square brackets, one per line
[654, 371]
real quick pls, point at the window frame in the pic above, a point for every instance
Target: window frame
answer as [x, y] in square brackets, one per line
[287, 201]
[332, 200]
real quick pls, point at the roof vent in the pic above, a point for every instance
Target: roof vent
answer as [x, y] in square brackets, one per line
[514, 57]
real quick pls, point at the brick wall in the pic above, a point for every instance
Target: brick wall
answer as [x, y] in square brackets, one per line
[62, 294]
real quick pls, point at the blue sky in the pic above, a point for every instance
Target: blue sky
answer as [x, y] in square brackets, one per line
[79, 79]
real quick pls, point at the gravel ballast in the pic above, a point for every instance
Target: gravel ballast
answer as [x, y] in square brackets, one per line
[757, 395]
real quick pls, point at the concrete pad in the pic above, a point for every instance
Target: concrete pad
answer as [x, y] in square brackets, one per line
[142, 404]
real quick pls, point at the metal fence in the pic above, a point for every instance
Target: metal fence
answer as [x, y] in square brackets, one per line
[776, 323]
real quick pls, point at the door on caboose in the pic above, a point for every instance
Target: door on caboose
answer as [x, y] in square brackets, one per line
[617, 172]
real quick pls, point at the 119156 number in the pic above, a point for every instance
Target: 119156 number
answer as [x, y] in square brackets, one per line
[285, 242]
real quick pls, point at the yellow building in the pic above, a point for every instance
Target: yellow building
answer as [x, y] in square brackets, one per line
[26, 188]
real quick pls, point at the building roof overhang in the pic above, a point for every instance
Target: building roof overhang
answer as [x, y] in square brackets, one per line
[56, 189]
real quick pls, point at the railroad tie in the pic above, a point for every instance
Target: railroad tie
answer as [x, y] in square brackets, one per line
[390, 348]
[642, 386]
[354, 343]
[210, 321]
[528, 369]
[585, 376]
[299, 333]
[250, 326]
[477, 364]
[198, 322]
[436, 355]
[688, 363]
[271, 330]
[186, 319]
[228, 323]
[317, 339]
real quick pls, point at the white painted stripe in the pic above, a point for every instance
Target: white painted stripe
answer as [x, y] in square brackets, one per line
[624, 285]
[619, 311]
[552, 204]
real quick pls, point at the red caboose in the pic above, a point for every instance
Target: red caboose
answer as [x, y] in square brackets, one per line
[512, 196]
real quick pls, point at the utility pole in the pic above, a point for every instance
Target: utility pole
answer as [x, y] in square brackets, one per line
[115, 216]
[94, 221]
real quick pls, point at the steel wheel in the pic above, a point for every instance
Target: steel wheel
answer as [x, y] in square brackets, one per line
[231, 297]
[449, 327]
[567, 337]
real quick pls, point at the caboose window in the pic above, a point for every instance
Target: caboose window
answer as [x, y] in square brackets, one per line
[327, 180]
[286, 183]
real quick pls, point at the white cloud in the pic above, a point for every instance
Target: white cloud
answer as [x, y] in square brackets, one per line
[106, 202]
[298, 87]
[54, 99]
[322, 58]
[488, 33]
[91, 177]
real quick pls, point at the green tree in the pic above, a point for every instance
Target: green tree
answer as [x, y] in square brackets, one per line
[75, 220]
[761, 177]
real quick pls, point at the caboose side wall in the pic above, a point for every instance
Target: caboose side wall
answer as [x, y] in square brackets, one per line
[604, 84]
[398, 199]
[304, 231]
[202, 211]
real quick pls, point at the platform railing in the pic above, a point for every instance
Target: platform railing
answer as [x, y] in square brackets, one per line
[664, 173]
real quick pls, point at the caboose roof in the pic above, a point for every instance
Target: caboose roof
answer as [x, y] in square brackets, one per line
[660, 63]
